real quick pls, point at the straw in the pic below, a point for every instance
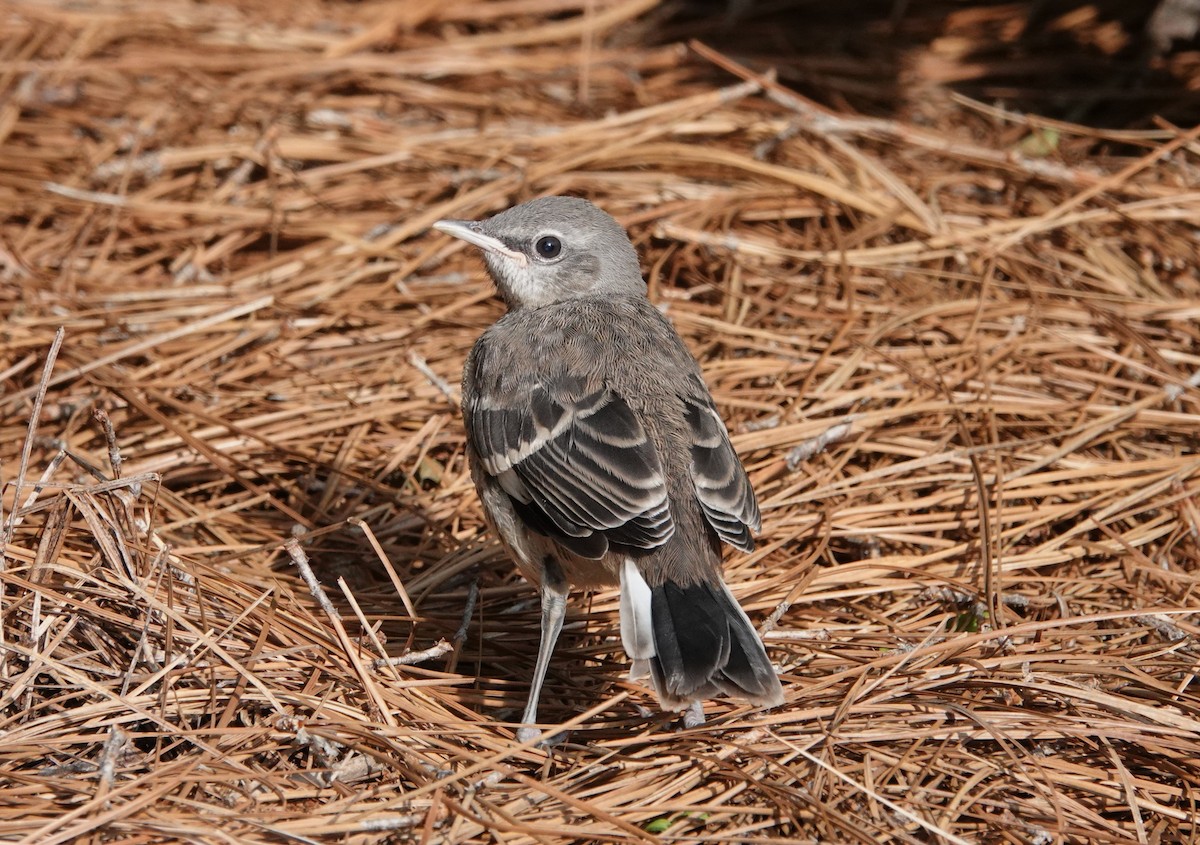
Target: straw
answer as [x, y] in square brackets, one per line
[248, 594]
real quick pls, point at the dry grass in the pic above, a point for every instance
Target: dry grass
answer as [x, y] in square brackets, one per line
[961, 366]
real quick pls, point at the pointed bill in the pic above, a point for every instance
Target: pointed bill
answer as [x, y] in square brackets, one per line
[468, 230]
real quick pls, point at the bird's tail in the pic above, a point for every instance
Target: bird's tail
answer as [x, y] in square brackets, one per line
[695, 642]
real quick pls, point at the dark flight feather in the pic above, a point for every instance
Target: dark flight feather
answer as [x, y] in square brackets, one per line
[579, 468]
[721, 484]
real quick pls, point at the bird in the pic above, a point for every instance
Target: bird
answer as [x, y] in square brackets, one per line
[600, 458]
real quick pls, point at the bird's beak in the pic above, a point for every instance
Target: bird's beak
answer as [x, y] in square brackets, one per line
[468, 230]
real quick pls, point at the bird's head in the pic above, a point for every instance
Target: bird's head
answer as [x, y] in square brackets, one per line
[553, 249]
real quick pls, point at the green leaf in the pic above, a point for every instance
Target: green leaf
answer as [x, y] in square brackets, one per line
[965, 622]
[1039, 143]
[659, 825]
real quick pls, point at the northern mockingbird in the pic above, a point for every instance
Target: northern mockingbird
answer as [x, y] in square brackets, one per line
[600, 458]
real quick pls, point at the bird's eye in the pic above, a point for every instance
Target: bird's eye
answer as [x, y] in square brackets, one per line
[548, 246]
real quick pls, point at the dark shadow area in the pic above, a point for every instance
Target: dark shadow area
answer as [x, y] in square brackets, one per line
[1106, 63]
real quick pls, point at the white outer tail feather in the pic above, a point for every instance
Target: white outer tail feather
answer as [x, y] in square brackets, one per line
[637, 629]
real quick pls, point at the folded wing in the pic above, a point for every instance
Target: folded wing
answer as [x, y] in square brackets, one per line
[721, 484]
[578, 466]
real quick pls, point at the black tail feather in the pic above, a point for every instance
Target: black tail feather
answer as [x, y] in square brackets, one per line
[705, 647]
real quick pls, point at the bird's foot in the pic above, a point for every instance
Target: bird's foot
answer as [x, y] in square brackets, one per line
[693, 717]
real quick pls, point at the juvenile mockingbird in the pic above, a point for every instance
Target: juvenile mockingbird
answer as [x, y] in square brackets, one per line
[600, 458]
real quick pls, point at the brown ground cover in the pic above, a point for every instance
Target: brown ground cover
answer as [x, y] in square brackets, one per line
[246, 594]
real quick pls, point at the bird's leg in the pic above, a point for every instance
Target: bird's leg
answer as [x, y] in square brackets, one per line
[554, 607]
[693, 717]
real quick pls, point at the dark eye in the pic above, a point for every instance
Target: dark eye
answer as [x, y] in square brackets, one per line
[548, 246]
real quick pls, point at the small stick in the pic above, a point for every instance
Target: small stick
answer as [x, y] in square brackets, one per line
[472, 597]
[116, 742]
[441, 647]
[437, 381]
[460, 635]
[310, 578]
[801, 453]
[110, 437]
[438, 649]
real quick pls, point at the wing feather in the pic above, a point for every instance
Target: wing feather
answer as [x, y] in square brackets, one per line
[720, 480]
[578, 465]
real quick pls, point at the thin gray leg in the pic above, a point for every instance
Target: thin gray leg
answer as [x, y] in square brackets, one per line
[554, 608]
